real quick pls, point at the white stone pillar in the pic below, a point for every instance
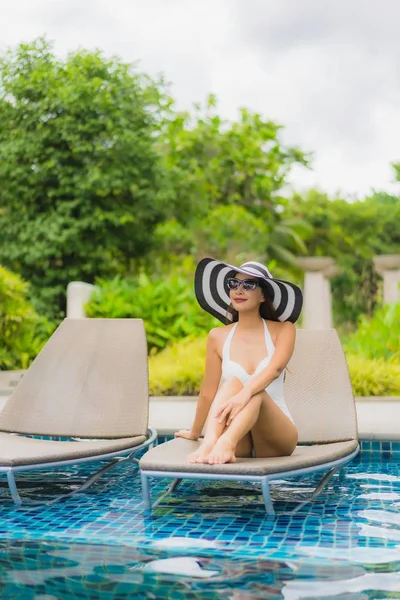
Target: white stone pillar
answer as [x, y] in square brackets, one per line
[388, 266]
[328, 273]
[78, 294]
[315, 309]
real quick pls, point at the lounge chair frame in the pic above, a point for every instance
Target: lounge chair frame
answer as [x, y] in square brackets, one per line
[264, 480]
[88, 388]
[115, 457]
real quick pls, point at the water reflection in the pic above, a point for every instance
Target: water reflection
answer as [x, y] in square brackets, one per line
[183, 566]
[361, 555]
[375, 582]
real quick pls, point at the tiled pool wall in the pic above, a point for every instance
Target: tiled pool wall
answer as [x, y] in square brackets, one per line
[385, 449]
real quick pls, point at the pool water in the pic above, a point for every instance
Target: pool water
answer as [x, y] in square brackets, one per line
[208, 540]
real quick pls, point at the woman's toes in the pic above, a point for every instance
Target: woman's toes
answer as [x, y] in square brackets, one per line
[221, 455]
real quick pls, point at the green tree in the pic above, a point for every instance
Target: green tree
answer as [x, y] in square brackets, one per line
[241, 162]
[80, 177]
[353, 233]
[219, 168]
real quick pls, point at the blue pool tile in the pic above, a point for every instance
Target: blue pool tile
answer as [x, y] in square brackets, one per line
[231, 531]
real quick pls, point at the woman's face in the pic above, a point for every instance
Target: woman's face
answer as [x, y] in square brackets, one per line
[246, 300]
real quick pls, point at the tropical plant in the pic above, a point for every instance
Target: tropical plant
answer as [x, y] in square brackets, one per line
[166, 304]
[373, 377]
[22, 331]
[178, 370]
[377, 337]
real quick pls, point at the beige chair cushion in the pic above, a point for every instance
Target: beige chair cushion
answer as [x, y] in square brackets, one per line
[171, 456]
[17, 450]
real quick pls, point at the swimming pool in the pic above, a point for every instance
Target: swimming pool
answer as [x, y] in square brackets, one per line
[205, 543]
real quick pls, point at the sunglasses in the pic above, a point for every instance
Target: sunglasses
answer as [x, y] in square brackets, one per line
[247, 284]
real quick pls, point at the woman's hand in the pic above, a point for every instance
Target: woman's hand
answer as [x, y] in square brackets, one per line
[232, 408]
[186, 434]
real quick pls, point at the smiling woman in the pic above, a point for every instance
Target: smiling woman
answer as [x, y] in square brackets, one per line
[241, 396]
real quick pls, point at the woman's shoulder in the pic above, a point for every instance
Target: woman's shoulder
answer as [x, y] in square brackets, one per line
[275, 328]
[218, 335]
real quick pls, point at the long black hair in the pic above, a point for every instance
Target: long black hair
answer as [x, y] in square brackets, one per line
[267, 310]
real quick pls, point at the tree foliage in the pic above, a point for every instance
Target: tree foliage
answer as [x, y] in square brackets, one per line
[80, 177]
[353, 233]
[100, 175]
[217, 167]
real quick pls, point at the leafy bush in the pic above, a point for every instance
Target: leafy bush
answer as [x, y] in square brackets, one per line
[377, 337]
[178, 371]
[23, 331]
[166, 304]
[373, 377]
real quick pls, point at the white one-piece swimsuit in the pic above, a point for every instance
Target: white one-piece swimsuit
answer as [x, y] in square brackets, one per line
[234, 369]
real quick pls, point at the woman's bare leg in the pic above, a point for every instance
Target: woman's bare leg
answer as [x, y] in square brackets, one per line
[224, 449]
[214, 429]
[273, 433]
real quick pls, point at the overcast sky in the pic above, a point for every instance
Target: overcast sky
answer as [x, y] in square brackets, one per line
[328, 70]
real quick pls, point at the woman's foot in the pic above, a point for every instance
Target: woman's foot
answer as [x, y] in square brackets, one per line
[223, 452]
[201, 454]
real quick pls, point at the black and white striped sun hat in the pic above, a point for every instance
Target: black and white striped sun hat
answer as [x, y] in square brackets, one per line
[212, 292]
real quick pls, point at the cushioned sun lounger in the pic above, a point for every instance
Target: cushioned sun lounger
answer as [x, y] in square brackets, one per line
[89, 387]
[319, 396]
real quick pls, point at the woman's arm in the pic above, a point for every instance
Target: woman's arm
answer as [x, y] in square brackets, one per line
[208, 389]
[284, 347]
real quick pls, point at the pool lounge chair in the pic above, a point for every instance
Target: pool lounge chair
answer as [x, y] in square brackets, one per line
[89, 386]
[319, 395]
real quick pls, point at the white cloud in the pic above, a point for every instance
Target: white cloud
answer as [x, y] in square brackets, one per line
[328, 71]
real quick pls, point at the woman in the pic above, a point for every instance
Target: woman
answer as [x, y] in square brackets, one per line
[241, 395]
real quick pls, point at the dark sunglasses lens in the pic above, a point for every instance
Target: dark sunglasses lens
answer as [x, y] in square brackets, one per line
[233, 284]
[249, 285]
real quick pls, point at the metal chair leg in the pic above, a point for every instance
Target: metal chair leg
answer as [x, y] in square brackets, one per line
[13, 488]
[318, 489]
[169, 491]
[145, 490]
[267, 497]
